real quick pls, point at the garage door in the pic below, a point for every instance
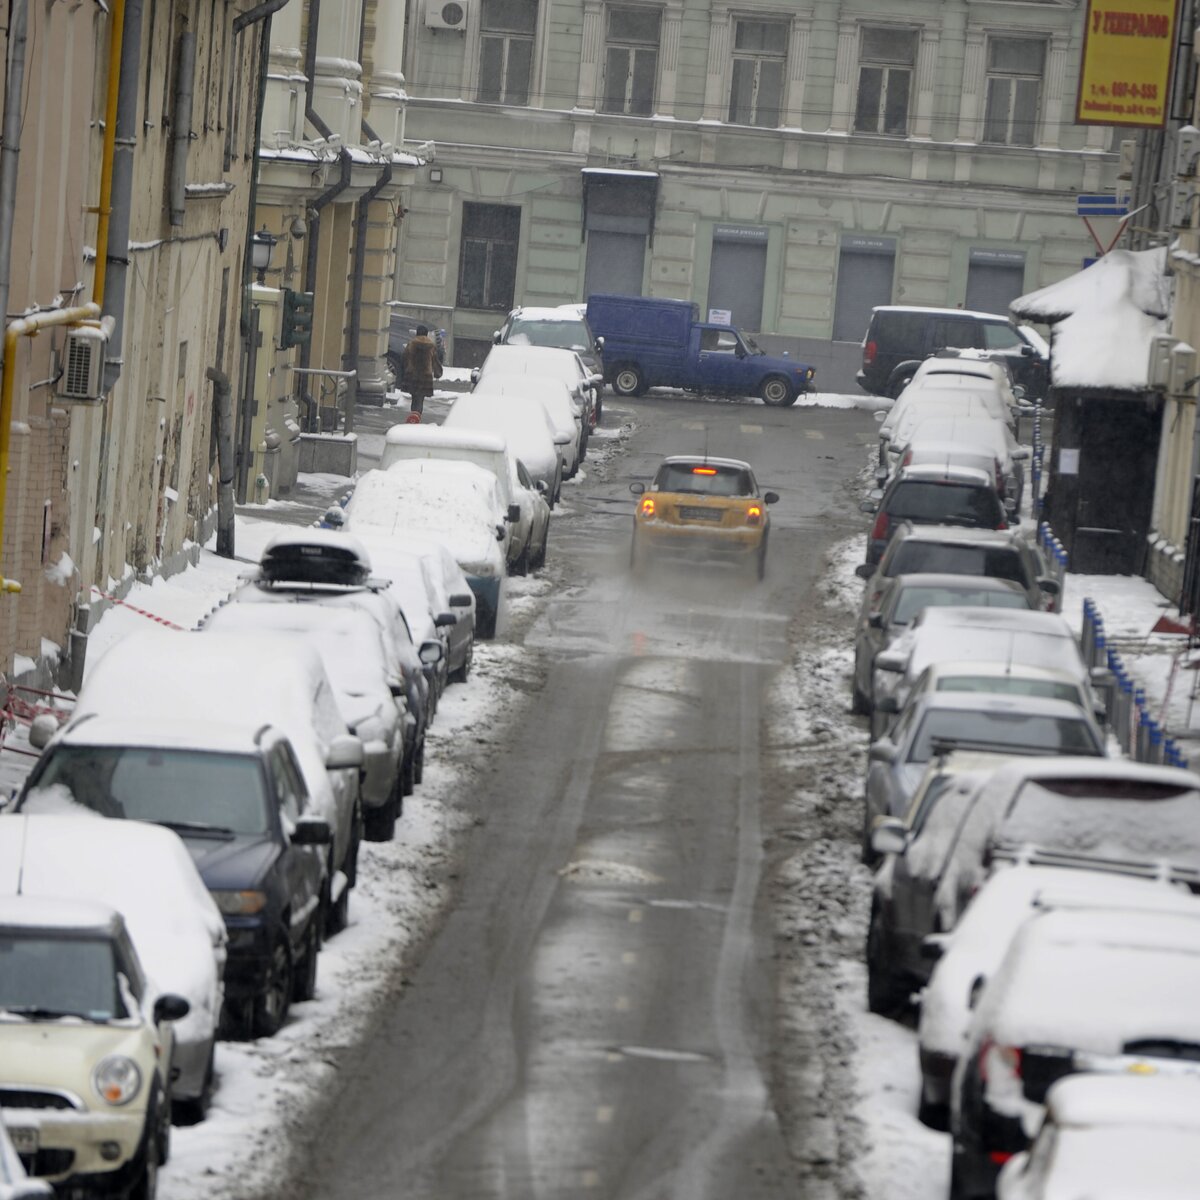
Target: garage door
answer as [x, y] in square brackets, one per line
[995, 278]
[866, 266]
[615, 263]
[738, 274]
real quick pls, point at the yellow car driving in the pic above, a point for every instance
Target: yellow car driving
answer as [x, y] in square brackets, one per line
[703, 506]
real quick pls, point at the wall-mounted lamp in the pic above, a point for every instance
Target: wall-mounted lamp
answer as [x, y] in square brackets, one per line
[261, 245]
[435, 174]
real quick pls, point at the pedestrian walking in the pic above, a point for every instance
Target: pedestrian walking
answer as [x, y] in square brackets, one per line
[421, 367]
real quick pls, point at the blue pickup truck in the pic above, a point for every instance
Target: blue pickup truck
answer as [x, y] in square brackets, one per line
[663, 343]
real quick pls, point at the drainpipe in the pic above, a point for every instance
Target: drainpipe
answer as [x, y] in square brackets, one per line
[103, 209]
[223, 410]
[14, 87]
[115, 247]
[29, 326]
[350, 360]
[181, 132]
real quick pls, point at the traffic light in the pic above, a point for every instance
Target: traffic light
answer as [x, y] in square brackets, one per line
[297, 319]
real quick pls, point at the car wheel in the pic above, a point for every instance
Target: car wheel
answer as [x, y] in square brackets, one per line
[521, 563]
[380, 823]
[464, 672]
[149, 1154]
[627, 380]
[899, 384]
[539, 559]
[272, 1003]
[777, 392]
[304, 978]
[419, 763]
[193, 1110]
[337, 914]
[884, 993]
[933, 1116]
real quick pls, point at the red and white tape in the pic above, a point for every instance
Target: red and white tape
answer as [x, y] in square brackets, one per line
[141, 612]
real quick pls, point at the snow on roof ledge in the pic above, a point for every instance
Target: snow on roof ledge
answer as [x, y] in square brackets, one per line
[1103, 317]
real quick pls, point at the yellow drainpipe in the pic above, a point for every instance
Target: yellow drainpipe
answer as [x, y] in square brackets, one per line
[29, 326]
[104, 208]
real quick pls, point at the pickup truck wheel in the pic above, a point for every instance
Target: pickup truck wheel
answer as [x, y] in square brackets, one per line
[777, 391]
[272, 1003]
[304, 978]
[627, 380]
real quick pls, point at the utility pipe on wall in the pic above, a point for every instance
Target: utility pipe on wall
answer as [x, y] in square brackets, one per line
[181, 131]
[103, 208]
[14, 86]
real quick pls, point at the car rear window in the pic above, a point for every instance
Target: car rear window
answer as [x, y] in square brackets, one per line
[913, 557]
[1023, 733]
[945, 504]
[913, 599]
[704, 479]
[898, 331]
[1011, 685]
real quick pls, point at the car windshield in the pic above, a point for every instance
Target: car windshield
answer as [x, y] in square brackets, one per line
[59, 976]
[704, 479]
[916, 557]
[1032, 733]
[1012, 685]
[188, 790]
[944, 504]
[912, 599]
[566, 335]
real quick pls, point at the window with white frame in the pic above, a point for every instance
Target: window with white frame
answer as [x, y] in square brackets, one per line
[887, 57]
[1015, 67]
[506, 51]
[759, 51]
[631, 61]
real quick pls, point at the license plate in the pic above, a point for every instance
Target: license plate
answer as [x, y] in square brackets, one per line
[700, 514]
[23, 1138]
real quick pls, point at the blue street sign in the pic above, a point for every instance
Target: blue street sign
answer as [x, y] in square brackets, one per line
[1101, 206]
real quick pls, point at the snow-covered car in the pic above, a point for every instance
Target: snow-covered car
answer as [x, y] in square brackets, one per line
[896, 428]
[936, 721]
[697, 506]
[980, 635]
[967, 955]
[86, 1047]
[15, 1183]
[420, 573]
[1107, 1137]
[1108, 991]
[351, 650]
[147, 875]
[970, 441]
[459, 504]
[901, 599]
[564, 327]
[250, 680]
[236, 797]
[526, 426]
[527, 547]
[961, 371]
[968, 818]
[548, 362]
[566, 413]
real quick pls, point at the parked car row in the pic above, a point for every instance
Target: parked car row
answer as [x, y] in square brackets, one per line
[1033, 897]
[190, 837]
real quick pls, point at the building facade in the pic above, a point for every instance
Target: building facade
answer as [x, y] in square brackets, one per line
[792, 164]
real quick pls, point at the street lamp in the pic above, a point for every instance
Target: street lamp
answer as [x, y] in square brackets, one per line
[261, 245]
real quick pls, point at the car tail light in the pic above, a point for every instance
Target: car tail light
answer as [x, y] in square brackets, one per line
[879, 530]
[754, 514]
[647, 506]
[869, 352]
[907, 459]
[994, 1059]
[999, 1157]
[1003, 524]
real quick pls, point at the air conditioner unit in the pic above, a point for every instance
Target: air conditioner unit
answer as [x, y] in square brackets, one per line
[447, 14]
[1159, 367]
[1183, 370]
[1187, 151]
[82, 378]
[1182, 200]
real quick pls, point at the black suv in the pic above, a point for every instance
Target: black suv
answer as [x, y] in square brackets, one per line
[238, 800]
[900, 338]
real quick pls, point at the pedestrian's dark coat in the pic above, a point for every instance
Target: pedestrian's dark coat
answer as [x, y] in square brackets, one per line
[421, 364]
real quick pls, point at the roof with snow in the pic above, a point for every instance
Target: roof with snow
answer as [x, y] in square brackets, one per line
[1103, 317]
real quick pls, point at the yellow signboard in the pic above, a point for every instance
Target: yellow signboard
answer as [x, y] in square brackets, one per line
[1125, 76]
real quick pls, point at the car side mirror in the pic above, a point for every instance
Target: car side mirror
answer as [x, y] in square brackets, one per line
[312, 831]
[42, 729]
[875, 620]
[541, 487]
[430, 653]
[1018, 391]
[637, 488]
[514, 513]
[461, 600]
[933, 946]
[739, 350]
[170, 1007]
[1026, 350]
[889, 835]
[600, 343]
[495, 337]
[770, 497]
[881, 475]
[880, 416]
[864, 570]
[892, 663]
[884, 751]
[563, 439]
[444, 619]
[344, 751]
[869, 505]
[398, 690]
[474, 376]
[1050, 586]
[499, 533]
